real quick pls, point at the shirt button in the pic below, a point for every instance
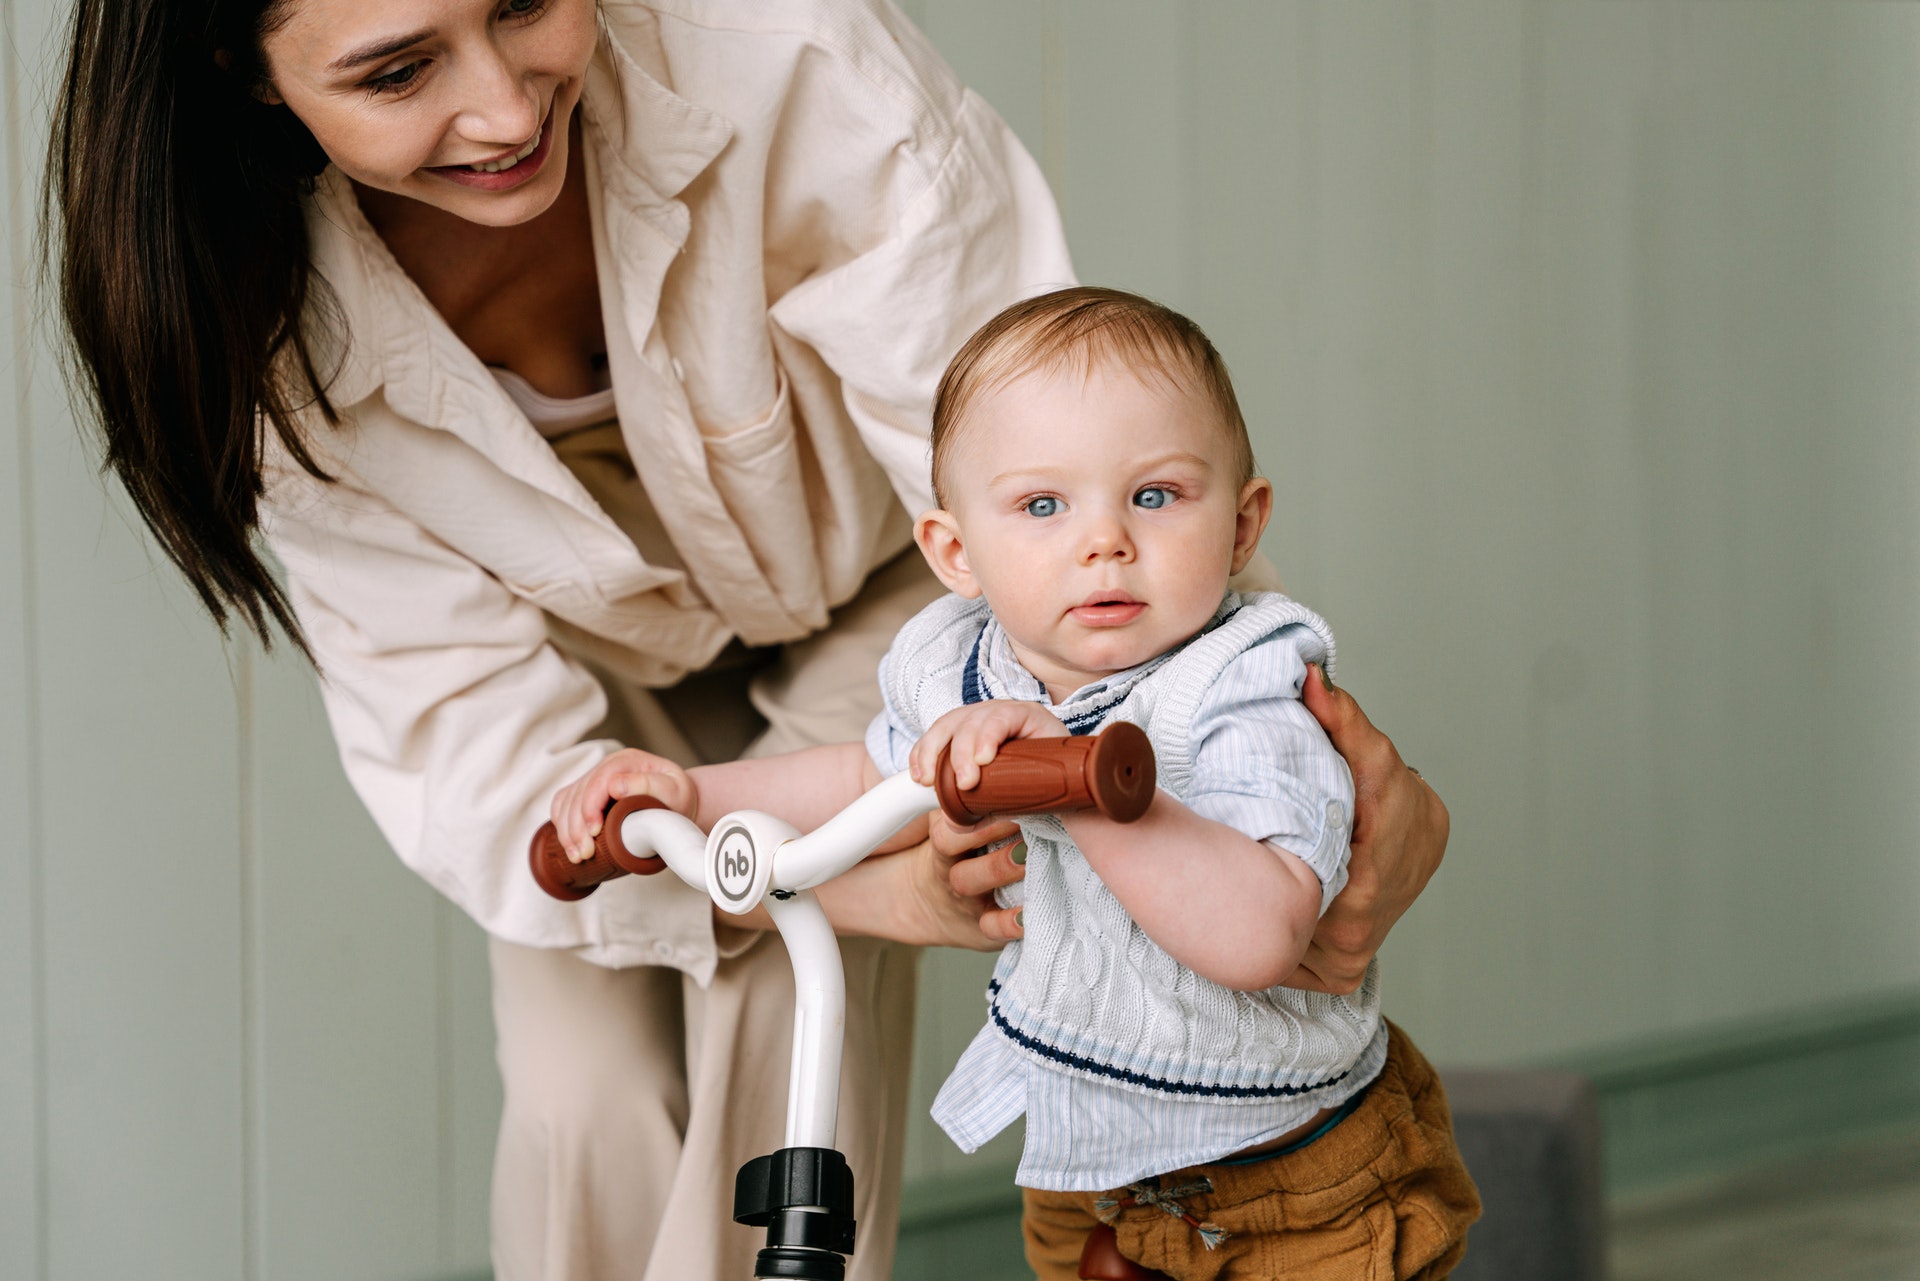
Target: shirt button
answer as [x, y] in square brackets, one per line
[1336, 815]
[679, 370]
[663, 950]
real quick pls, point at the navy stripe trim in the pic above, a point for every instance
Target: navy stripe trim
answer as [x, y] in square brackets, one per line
[974, 690]
[971, 690]
[1140, 1078]
[1088, 721]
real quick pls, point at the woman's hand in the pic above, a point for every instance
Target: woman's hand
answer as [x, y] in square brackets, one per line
[979, 860]
[1399, 837]
[914, 895]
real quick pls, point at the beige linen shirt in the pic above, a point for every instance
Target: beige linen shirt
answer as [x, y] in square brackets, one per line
[798, 216]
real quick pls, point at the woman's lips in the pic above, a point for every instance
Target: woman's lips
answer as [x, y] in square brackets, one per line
[504, 179]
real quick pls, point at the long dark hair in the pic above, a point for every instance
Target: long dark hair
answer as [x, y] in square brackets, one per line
[178, 240]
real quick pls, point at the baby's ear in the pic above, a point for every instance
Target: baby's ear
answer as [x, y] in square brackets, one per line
[1250, 521]
[938, 535]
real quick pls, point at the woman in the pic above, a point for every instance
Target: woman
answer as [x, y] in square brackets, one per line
[575, 362]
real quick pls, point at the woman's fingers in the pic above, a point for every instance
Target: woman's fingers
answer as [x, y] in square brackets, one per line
[950, 840]
[983, 873]
[1400, 829]
[1366, 749]
[1002, 923]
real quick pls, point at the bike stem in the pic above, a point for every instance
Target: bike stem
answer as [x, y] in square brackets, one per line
[819, 1017]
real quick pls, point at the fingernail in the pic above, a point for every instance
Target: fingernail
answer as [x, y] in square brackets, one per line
[1020, 918]
[1325, 680]
[1019, 852]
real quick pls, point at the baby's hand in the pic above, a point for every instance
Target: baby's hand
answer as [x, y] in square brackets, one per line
[976, 732]
[579, 806]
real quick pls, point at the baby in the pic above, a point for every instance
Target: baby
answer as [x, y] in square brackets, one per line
[1097, 490]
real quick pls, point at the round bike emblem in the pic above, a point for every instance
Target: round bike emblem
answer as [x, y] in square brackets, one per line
[735, 861]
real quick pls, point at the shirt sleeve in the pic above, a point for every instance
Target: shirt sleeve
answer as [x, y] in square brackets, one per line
[456, 722]
[888, 739]
[1263, 766]
[981, 234]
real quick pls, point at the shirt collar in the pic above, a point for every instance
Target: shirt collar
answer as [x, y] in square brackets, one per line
[1004, 676]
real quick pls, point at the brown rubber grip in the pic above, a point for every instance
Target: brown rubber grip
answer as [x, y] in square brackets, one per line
[1111, 771]
[569, 881]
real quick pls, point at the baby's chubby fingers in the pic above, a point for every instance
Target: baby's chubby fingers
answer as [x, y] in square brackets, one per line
[580, 808]
[975, 743]
[923, 762]
[974, 735]
[570, 818]
[672, 788]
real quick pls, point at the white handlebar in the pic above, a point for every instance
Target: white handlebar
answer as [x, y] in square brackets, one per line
[852, 834]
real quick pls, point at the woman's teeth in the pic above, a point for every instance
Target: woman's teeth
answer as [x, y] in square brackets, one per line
[508, 163]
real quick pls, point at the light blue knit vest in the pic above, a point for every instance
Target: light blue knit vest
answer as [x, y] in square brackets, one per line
[1087, 991]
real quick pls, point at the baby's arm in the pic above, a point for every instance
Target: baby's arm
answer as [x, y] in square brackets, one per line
[806, 788]
[1232, 879]
[1232, 909]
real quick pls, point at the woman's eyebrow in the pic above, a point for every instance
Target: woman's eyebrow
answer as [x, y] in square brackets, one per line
[377, 50]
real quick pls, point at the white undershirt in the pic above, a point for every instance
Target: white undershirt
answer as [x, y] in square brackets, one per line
[555, 416]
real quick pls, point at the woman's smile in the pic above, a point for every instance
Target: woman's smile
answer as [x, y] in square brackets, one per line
[507, 172]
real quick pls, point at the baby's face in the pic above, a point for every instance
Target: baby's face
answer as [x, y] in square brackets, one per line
[1099, 514]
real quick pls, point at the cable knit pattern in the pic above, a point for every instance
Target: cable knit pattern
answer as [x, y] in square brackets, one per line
[1087, 993]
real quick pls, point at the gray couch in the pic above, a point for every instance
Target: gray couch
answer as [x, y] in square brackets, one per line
[1532, 1143]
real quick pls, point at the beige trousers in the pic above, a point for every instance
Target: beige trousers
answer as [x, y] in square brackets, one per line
[633, 1096]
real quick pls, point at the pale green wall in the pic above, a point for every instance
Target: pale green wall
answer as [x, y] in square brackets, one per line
[1580, 341]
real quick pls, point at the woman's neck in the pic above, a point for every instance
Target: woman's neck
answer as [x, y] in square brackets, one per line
[524, 297]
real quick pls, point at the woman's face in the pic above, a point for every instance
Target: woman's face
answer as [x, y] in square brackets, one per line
[460, 104]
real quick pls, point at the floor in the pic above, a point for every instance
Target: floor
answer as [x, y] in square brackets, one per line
[1851, 1215]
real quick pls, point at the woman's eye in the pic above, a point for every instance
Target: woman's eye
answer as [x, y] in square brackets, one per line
[394, 79]
[1043, 507]
[1153, 496]
[521, 8]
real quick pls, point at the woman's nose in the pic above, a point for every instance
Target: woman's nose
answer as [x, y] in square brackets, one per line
[499, 108]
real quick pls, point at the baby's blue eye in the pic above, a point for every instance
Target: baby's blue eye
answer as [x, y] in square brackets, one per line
[1043, 507]
[1151, 497]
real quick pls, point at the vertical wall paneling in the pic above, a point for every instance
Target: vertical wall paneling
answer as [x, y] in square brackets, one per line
[1578, 342]
[349, 978]
[142, 898]
[136, 785]
[22, 1048]
[1122, 78]
[998, 48]
[1864, 621]
[1246, 212]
